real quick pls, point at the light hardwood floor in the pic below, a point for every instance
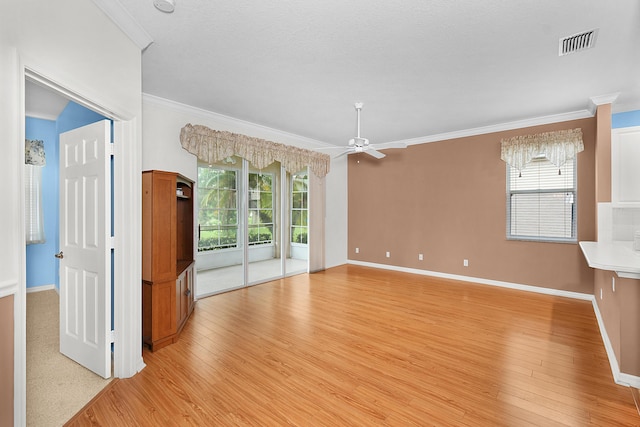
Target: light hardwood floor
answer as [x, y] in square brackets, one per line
[361, 346]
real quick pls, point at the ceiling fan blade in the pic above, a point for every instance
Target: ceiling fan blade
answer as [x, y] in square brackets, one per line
[375, 153]
[385, 145]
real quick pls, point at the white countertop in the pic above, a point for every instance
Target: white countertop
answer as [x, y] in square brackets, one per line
[613, 256]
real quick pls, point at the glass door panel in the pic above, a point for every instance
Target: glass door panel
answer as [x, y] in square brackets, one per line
[297, 245]
[264, 223]
[219, 260]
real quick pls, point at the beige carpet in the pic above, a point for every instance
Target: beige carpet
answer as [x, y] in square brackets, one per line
[57, 387]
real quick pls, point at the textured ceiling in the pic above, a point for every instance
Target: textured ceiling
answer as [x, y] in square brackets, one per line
[420, 67]
[43, 103]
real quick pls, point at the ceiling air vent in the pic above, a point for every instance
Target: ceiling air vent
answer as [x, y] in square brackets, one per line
[578, 42]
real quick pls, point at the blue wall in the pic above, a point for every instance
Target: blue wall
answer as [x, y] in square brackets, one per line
[42, 267]
[625, 120]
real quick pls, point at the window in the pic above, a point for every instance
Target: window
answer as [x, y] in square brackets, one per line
[299, 209]
[260, 208]
[217, 208]
[541, 201]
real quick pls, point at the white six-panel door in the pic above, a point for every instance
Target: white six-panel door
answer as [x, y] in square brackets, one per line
[85, 246]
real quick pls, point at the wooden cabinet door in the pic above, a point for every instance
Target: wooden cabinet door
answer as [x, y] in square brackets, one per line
[190, 272]
[163, 302]
[181, 307]
[184, 295]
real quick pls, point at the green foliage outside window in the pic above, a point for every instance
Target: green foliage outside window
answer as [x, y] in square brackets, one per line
[218, 208]
[260, 208]
[299, 209]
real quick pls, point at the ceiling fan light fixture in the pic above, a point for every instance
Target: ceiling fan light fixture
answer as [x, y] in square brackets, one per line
[359, 144]
[166, 6]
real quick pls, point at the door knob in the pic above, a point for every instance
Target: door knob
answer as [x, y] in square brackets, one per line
[59, 255]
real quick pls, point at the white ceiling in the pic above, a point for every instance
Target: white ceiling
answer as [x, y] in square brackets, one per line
[420, 67]
[43, 103]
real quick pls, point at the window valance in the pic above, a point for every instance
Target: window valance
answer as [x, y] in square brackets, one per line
[34, 152]
[211, 146]
[557, 147]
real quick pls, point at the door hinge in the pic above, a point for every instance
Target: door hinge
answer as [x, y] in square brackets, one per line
[112, 336]
[112, 242]
[111, 150]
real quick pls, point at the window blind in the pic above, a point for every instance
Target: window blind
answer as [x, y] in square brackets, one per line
[541, 201]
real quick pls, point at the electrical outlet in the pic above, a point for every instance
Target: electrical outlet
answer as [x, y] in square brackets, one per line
[420, 257]
[388, 254]
[465, 263]
[600, 293]
[613, 283]
[357, 250]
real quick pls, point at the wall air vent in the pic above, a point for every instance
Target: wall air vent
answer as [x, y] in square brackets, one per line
[577, 42]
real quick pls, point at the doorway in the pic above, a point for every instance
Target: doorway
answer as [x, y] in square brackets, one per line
[47, 115]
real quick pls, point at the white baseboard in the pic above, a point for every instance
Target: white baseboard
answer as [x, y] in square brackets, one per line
[528, 288]
[41, 288]
[619, 377]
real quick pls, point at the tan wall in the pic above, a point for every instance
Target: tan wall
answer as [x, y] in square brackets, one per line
[6, 361]
[609, 307]
[603, 153]
[447, 200]
[620, 311]
[629, 294]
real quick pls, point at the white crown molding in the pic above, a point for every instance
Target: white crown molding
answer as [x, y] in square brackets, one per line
[230, 121]
[608, 98]
[604, 99]
[519, 124]
[536, 121]
[123, 19]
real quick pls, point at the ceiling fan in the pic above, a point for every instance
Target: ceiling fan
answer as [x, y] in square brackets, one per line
[362, 145]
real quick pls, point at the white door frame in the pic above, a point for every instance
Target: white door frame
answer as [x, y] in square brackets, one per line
[127, 219]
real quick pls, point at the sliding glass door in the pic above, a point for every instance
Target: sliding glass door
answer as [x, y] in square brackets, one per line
[219, 227]
[297, 215]
[264, 224]
[252, 225]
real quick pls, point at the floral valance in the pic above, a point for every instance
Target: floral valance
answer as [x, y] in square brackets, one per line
[211, 146]
[34, 152]
[557, 147]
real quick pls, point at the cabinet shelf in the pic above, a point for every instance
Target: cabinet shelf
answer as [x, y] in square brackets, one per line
[182, 265]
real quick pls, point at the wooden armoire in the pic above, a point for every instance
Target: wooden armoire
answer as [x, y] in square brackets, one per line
[167, 256]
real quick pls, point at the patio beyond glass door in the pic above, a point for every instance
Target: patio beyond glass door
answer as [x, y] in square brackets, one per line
[263, 224]
[220, 256]
[297, 233]
[252, 225]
